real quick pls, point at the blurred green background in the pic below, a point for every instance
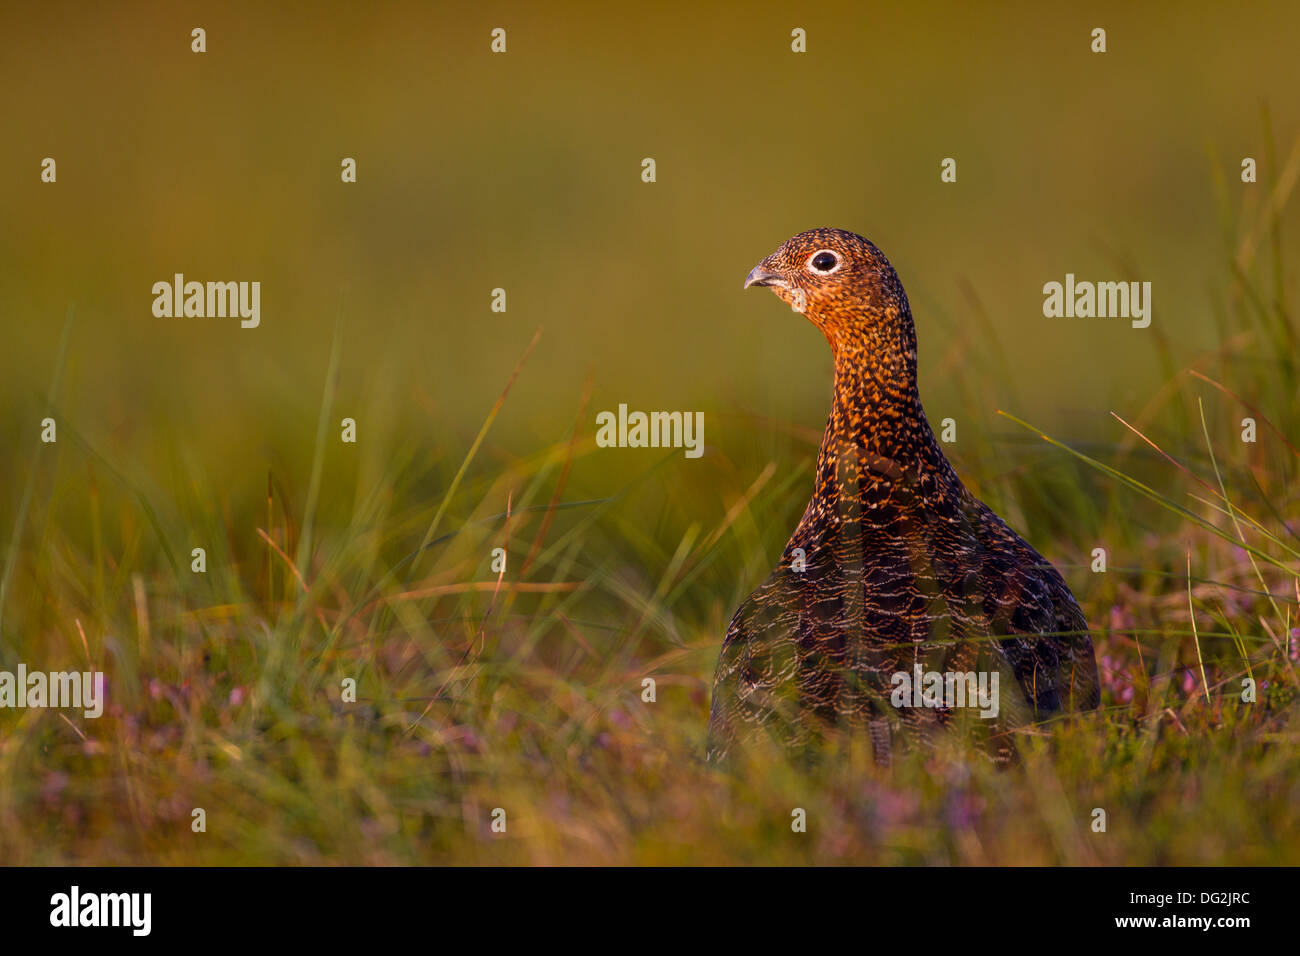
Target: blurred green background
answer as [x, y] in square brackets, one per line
[523, 171]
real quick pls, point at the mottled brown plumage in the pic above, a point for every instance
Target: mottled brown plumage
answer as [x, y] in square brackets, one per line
[903, 565]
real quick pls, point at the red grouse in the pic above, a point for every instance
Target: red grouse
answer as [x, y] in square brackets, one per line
[895, 569]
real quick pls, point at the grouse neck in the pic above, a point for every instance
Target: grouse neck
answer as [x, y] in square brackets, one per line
[876, 411]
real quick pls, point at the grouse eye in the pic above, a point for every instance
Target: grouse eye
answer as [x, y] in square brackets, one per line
[824, 261]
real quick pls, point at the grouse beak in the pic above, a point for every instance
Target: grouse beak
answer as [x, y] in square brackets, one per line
[762, 275]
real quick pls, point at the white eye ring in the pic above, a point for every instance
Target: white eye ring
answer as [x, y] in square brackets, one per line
[825, 252]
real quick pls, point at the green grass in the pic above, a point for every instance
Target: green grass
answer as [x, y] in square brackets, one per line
[525, 692]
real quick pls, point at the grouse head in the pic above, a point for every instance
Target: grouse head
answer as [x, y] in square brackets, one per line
[846, 287]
